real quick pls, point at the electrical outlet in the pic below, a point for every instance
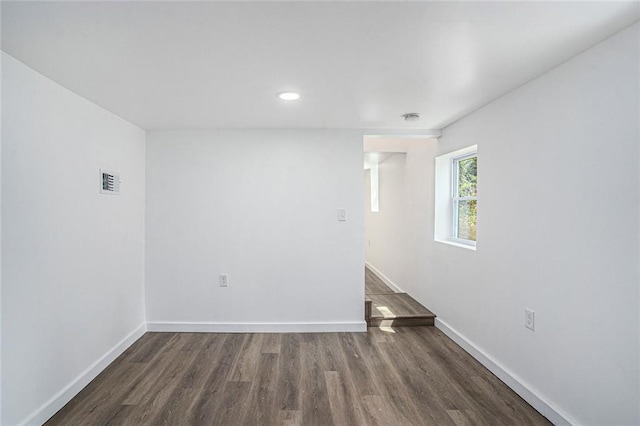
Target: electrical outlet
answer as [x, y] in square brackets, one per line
[529, 319]
[224, 280]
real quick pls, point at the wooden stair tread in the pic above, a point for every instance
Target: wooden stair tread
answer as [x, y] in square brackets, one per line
[401, 322]
[397, 305]
[385, 308]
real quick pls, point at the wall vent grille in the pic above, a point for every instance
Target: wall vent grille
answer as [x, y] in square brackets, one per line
[109, 182]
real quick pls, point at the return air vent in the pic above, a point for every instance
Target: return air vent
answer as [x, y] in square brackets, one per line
[109, 182]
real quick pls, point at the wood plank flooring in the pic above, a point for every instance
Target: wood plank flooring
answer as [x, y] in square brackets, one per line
[408, 376]
[374, 285]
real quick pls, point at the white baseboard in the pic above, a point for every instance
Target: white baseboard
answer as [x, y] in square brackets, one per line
[40, 416]
[44, 413]
[544, 407]
[48, 409]
[223, 327]
[384, 278]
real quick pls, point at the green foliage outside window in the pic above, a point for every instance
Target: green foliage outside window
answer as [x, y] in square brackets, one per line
[467, 187]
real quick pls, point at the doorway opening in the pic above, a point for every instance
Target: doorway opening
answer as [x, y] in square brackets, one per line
[393, 182]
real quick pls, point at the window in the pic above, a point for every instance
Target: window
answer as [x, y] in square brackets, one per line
[456, 198]
[464, 198]
[375, 207]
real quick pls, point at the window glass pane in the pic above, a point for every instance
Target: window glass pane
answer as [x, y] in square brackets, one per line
[467, 219]
[468, 177]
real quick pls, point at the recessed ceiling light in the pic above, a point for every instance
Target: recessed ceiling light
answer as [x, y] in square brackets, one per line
[289, 96]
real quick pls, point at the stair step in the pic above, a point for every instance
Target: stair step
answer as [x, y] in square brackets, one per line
[396, 310]
[367, 309]
[401, 322]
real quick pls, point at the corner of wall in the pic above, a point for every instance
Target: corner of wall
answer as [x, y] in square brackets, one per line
[42, 131]
[51, 407]
[144, 233]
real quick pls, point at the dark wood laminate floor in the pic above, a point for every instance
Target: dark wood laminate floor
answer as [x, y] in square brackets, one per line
[411, 376]
[373, 284]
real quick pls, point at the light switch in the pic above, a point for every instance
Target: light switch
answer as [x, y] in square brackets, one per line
[529, 319]
[342, 215]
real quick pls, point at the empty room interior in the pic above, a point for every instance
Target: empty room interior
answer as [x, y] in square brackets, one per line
[320, 213]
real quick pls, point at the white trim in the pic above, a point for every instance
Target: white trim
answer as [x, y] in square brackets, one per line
[404, 133]
[519, 386]
[384, 278]
[444, 214]
[258, 327]
[456, 244]
[456, 198]
[51, 407]
[375, 188]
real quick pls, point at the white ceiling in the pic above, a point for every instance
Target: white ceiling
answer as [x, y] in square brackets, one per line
[172, 65]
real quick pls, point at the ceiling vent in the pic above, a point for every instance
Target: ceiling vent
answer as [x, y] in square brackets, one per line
[109, 182]
[411, 116]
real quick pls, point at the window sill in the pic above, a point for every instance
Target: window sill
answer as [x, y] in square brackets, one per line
[453, 243]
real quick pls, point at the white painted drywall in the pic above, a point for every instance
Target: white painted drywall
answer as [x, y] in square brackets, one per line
[73, 260]
[398, 237]
[385, 233]
[218, 64]
[261, 206]
[558, 227]
[0, 229]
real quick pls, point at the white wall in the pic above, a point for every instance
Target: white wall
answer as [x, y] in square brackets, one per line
[73, 260]
[558, 227]
[398, 237]
[261, 206]
[0, 228]
[385, 234]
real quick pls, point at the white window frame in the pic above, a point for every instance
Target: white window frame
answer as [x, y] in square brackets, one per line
[375, 188]
[445, 217]
[455, 198]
